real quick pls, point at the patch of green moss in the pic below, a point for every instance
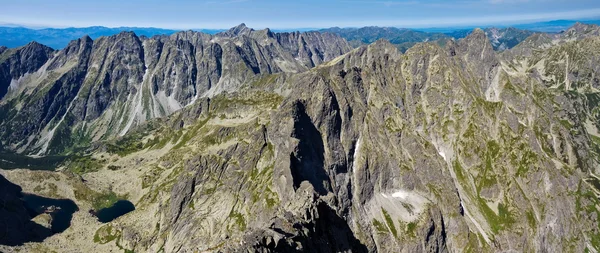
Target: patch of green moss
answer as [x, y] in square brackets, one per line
[105, 199]
[391, 126]
[106, 234]
[379, 227]
[411, 228]
[501, 221]
[531, 219]
[84, 164]
[239, 220]
[192, 132]
[458, 170]
[389, 222]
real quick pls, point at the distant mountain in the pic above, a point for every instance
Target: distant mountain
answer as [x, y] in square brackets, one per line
[501, 38]
[402, 37]
[553, 26]
[58, 38]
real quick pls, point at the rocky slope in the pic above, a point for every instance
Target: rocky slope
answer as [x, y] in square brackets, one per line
[439, 149]
[56, 102]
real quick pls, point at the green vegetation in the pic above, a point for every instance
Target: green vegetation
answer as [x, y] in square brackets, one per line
[531, 219]
[389, 222]
[260, 99]
[381, 229]
[265, 80]
[106, 234]
[411, 228]
[105, 199]
[126, 145]
[458, 170]
[99, 200]
[192, 132]
[391, 126]
[239, 220]
[83, 164]
[503, 220]
[489, 107]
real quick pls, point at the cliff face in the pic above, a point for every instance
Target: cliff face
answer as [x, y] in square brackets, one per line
[93, 90]
[439, 149]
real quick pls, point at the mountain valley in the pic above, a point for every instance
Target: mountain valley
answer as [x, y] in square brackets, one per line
[257, 141]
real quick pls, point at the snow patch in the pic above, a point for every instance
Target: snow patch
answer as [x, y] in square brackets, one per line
[443, 155]
[356, 154]
[404, 204]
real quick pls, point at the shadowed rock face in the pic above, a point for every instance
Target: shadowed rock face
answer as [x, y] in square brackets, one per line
[18, 209]
[15, 63]
[307, 160]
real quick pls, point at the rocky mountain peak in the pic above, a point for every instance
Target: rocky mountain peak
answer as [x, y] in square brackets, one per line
[34, 46]
[238, 30]
[581, 29]
[477, 42]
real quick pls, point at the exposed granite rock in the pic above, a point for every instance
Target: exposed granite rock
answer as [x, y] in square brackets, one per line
[94, 90]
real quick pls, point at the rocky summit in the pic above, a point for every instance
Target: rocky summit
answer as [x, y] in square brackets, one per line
[255, 141]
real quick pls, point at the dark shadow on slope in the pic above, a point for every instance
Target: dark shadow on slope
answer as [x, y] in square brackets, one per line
[307, 160]
[18, 209]
[327, 233]
[61, 210]
[10, 160]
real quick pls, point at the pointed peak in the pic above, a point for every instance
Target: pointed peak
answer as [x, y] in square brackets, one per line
[241, 28]
[382, 43]
[478, 30]
[36, 45]
[127, 33]
[581, 29]
[267, 32]
[477, 34]
[83, 40]
[384, 46]
[578, 26]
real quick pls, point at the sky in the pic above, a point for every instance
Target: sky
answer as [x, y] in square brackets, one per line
[288, 14]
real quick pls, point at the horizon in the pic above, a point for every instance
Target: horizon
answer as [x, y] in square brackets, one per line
[311, 14]
[593, 20]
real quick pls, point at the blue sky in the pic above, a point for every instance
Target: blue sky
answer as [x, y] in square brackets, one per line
[285, 14]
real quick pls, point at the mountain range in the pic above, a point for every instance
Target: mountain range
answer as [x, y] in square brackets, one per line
[257, 141]
[57, 38]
